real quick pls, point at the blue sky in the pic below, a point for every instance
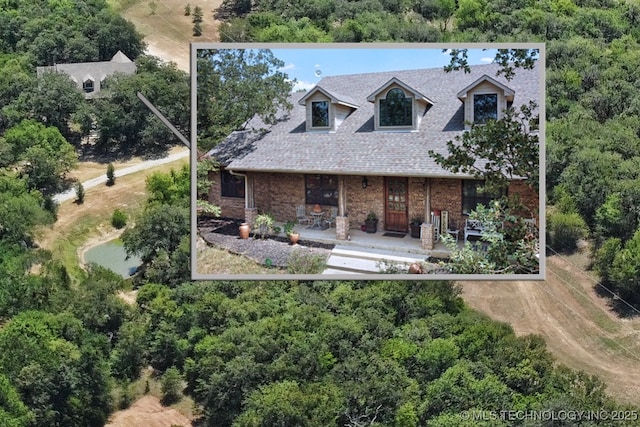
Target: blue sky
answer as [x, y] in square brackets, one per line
[309, 65]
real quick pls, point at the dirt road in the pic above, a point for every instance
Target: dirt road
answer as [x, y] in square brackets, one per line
[147, 164]
[578, 326]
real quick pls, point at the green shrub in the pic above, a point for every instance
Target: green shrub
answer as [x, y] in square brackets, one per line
[118, 219]
[79, 193]
[564, 231]
[604, 257]
[264, 223]
[302, 262]
[111, 175]
[171, 385]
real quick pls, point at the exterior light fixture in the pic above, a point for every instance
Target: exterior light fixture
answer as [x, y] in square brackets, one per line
[365, 182]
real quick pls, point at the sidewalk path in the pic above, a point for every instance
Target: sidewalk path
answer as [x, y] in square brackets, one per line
[147, 164]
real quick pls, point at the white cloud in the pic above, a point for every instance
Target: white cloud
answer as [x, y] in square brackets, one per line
[301, 85]
[486, 60]
[288, 67]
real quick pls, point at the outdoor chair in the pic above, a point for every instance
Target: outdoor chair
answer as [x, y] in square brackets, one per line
[332, 218]
[301, 215]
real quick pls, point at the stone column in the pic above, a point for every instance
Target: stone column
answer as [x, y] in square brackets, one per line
[250, 215]
[342, 227]
[426, 236]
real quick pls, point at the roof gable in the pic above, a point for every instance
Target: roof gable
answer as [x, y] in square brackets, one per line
[397, 82]
[335, 97]
[120, 58]
[508, 92]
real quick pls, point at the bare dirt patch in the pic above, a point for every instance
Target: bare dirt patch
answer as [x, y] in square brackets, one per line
[148, 412]
[166, 29]
[578, 325]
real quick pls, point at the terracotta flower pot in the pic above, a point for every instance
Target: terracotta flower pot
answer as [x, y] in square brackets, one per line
[244, 230]
[294, 237]
[317, 208]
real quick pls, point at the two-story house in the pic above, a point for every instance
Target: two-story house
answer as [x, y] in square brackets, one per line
[90, 76]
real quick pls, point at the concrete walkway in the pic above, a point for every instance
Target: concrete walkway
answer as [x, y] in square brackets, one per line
[366, 253]
[147, 164]
[351, 259]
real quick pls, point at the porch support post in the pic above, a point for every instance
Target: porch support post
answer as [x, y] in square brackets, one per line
[342, 222]
[250, 211]
[249, 200]
[342, 195]
[426, 229]
[427, 200]
[426, 236]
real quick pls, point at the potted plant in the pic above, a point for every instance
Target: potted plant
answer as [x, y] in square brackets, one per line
[371, 222]
[415, 227]
[264, 224]
[293, 235]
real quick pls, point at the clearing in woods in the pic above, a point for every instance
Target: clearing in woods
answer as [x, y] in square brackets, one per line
[577, 324]
[166, 29]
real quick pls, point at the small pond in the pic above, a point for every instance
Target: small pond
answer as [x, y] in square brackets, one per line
[112, 255]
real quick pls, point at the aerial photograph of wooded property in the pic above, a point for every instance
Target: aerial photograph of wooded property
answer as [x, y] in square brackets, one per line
[102, 322]
[421, 170]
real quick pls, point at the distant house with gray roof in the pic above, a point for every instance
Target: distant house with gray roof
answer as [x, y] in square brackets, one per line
[359, 143]
[90, 76]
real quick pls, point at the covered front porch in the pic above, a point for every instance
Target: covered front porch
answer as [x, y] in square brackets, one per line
[349, 200]
[378, 240]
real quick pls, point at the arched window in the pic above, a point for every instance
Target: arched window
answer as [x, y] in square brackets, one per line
[396, 109]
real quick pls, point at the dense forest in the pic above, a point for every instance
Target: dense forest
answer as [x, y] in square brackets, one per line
[294, 353]
[592, 95]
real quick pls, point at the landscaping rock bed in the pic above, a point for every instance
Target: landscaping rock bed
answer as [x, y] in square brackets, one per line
[270, 251]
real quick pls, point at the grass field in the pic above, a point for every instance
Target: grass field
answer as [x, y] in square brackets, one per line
[166, 29]
[80, 226]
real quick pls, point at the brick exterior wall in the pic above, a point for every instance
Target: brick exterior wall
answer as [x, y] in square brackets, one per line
[416, 193]
[232, 207]
[361, 201]
[279, 194]
[446, 195]
[528, 197]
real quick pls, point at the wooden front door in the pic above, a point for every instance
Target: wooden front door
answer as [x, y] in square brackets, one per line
[396, 206]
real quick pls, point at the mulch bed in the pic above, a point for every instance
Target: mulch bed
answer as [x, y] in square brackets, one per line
[270, 251]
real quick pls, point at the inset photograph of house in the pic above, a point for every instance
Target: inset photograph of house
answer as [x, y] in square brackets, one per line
[360, 161]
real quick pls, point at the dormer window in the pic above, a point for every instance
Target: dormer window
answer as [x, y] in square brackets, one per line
[326, 110]
[320, 114]
[485, 107]
[485, 99]
[88, 86]
[396, 109]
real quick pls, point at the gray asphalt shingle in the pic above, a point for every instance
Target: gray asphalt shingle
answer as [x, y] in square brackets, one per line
[355, 148]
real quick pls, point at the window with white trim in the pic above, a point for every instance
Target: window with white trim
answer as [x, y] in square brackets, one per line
[396, 109]
[320, 114]
[485, 107]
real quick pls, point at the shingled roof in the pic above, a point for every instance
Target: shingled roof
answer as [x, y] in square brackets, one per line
[355, 148]
[95, 71]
